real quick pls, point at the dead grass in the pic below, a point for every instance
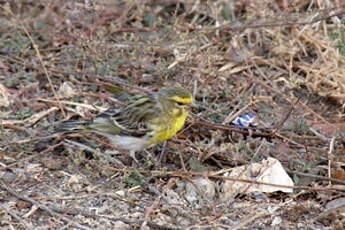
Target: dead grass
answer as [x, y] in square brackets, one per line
[73, 59]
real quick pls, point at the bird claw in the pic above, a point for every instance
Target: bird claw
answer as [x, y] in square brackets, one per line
[132, 155]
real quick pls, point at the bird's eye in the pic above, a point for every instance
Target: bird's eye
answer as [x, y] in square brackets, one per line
[179, 103]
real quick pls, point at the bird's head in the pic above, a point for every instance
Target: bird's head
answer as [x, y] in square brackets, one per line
[178, 96]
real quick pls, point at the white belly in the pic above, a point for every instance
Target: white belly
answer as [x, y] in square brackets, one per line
[132, 144]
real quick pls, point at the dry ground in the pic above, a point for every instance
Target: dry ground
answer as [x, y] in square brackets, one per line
[282, 60]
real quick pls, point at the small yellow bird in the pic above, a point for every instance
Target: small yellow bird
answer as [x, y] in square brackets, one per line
[144, 123]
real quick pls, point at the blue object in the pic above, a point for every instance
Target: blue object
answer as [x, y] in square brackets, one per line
[245, 120]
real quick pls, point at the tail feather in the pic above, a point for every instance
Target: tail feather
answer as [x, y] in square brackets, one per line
[72, 126]
[100, 125]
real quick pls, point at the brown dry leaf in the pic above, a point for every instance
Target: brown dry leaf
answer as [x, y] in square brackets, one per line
[329, 129]
[23, 204]
[53, 163]
[3, 66]
[338, 174]
[4, 96]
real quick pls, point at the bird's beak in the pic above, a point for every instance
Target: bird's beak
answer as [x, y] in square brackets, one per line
[191, 106]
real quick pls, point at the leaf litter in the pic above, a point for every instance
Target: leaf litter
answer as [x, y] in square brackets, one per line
[280, 60]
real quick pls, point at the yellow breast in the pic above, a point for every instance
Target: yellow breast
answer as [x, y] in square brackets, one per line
[166, 129]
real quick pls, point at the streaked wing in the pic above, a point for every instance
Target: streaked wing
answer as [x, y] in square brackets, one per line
[131, 119]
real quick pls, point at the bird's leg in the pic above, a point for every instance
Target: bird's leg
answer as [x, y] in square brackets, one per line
[132, 154]
[161, 155]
